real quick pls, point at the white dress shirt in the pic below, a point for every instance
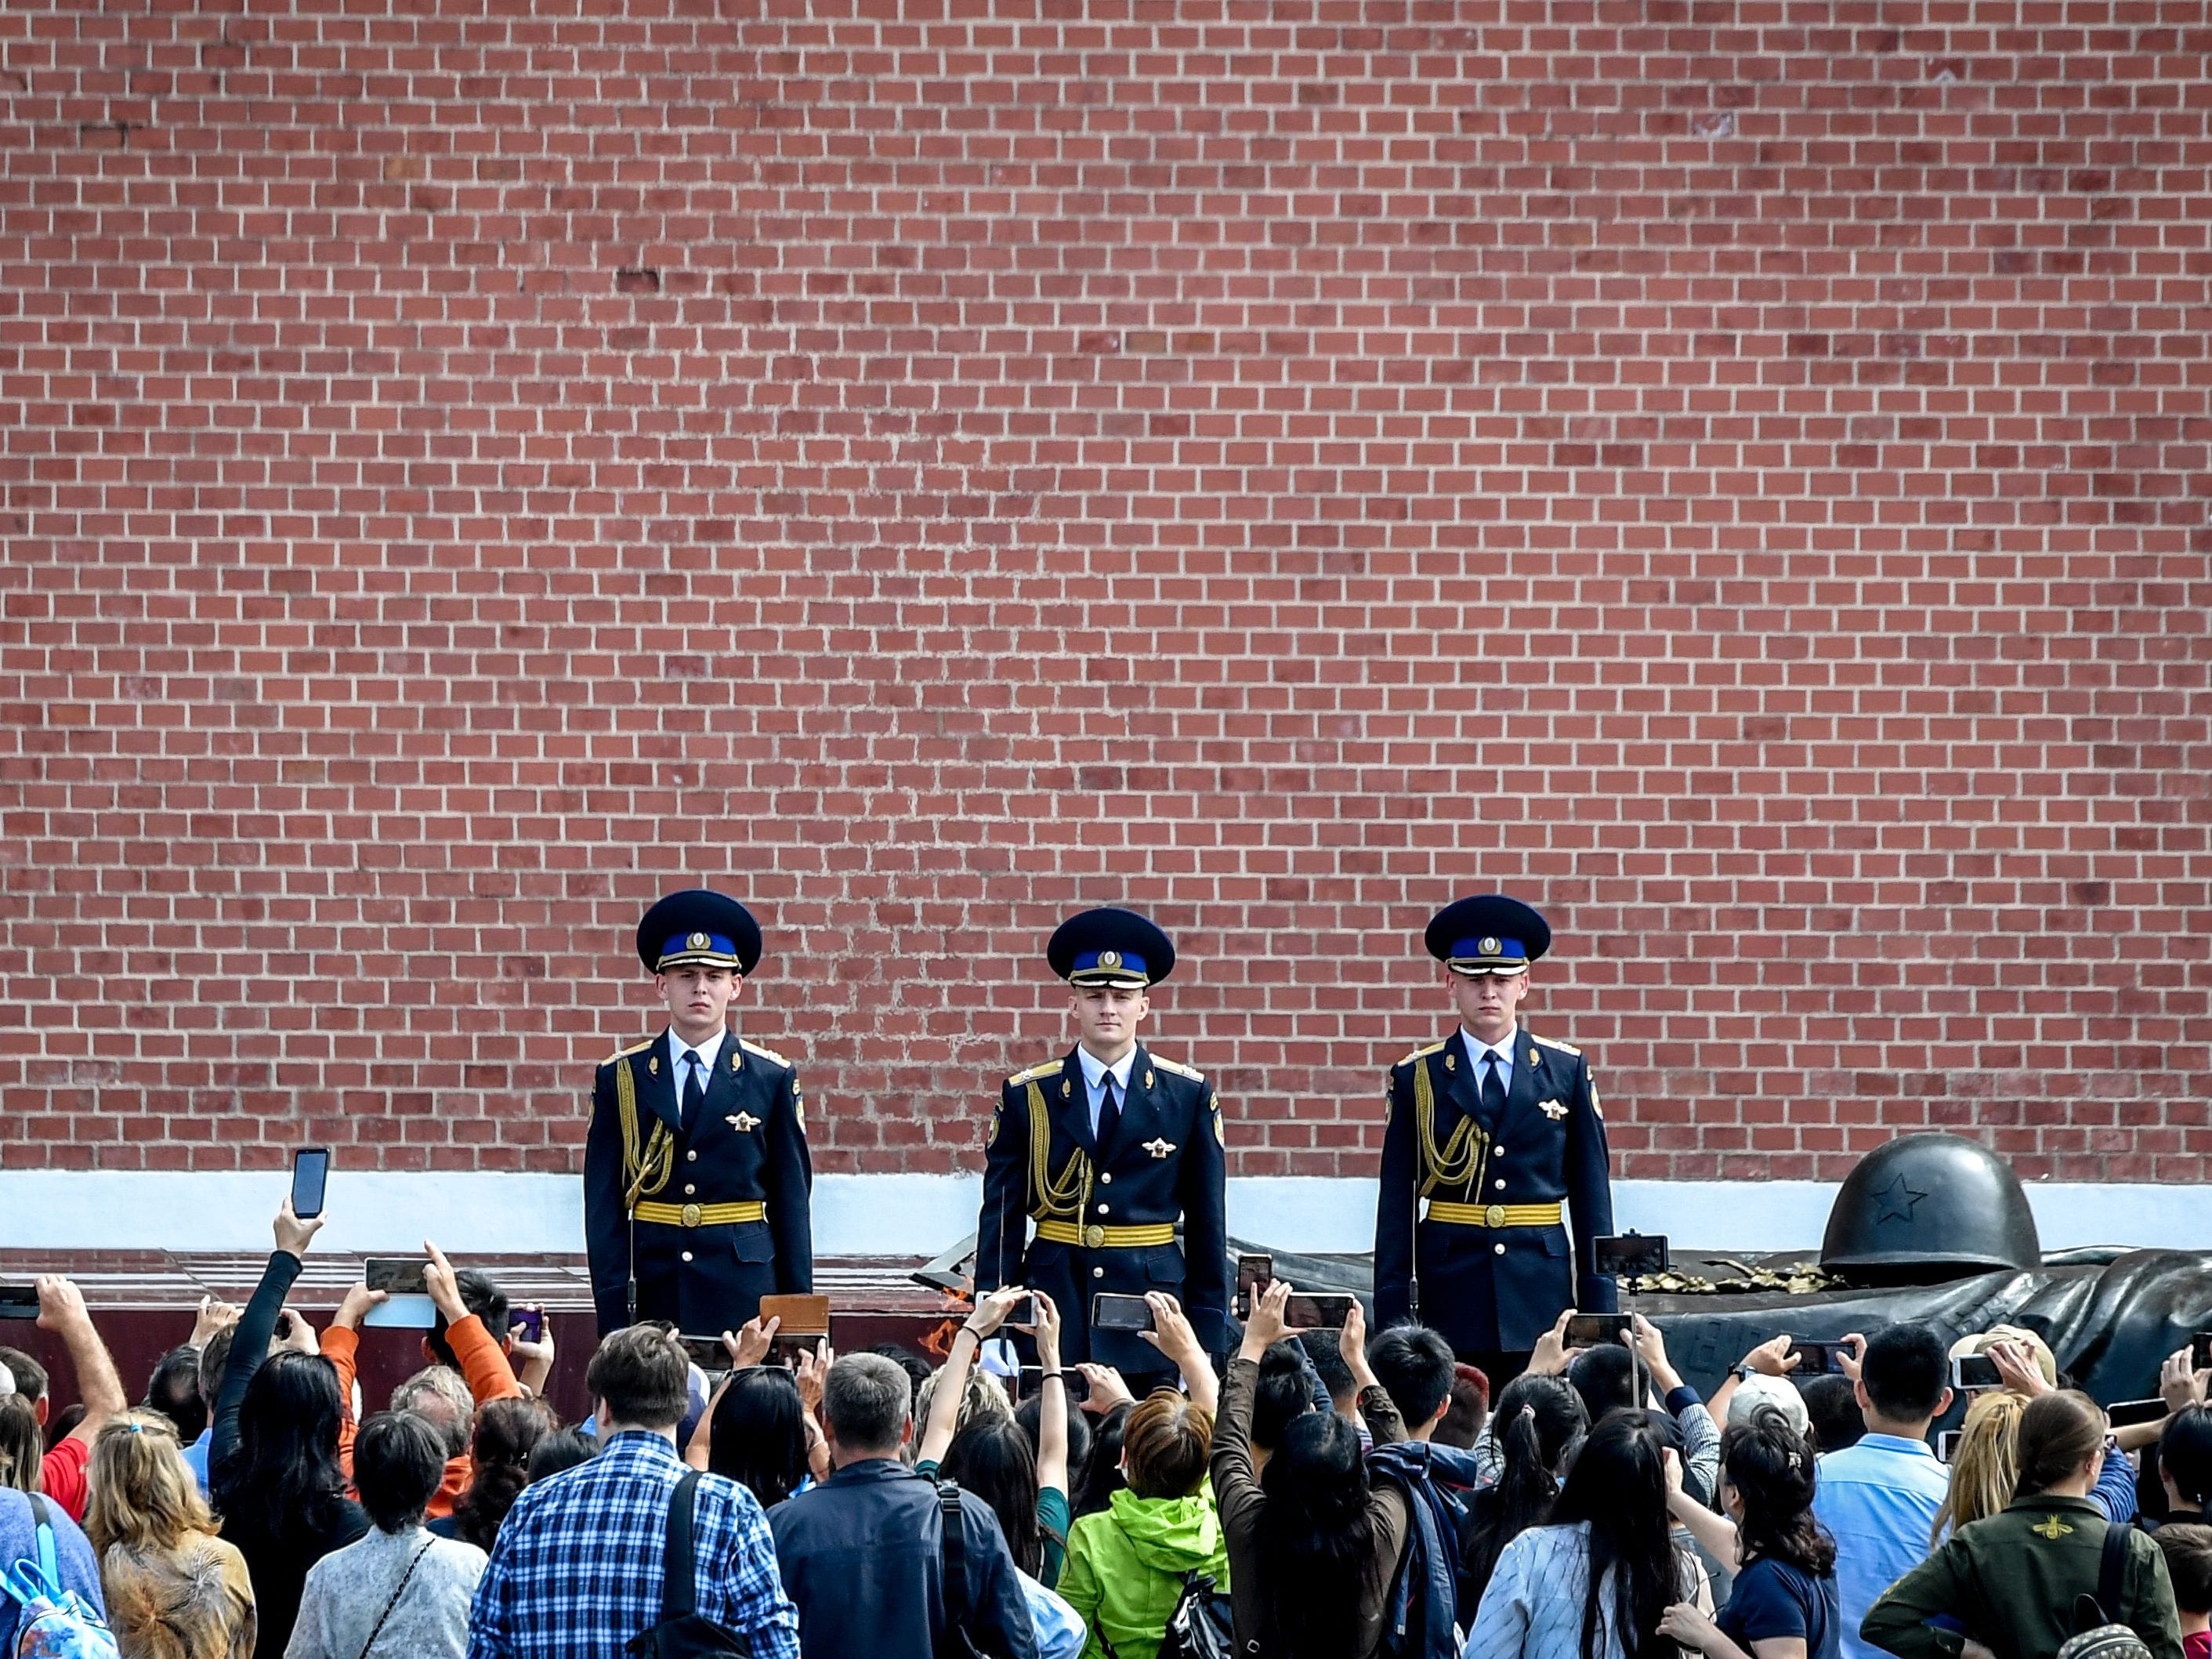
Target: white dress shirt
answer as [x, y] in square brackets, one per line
[1476, 1047]
[709, 1051]
[1094, 1082]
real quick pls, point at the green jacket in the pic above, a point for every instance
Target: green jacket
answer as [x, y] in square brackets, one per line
[2011, 1583]
[1125, 1568]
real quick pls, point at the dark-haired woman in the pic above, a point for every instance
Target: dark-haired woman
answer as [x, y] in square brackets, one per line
[273, 1457]
[1537, 1422]
[1313, 1544]
[1784, 1603]
[1594, 1581]
[507, 1432]
[2015, 1582]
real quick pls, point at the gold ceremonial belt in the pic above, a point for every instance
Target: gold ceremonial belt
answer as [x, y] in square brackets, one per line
[1479, 1215]
[703, 1215]
[1096, 1238]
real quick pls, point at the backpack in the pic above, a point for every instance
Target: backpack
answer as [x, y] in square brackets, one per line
[955, 1643]
[2097, 1633]
[681, 1633]
[1421, 1616]
[54, 1623]
[1203, 1625]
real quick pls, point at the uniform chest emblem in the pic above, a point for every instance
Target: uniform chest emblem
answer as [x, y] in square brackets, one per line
[1161, 1148]
[743, 1123]
[1554, 1109]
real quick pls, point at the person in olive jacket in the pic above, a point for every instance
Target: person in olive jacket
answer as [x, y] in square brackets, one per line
[2016, 1583]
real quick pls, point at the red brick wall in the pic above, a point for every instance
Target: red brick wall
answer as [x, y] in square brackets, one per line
[1734, 474]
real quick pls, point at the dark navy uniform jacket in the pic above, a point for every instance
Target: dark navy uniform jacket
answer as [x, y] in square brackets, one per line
[749, 1145]
[1165, 1162]
[1493, 1289]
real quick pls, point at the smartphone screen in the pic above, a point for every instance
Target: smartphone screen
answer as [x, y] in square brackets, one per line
[19, 1302]
[1819, 1358]
[531, 1320]
[1109, 1312]
[1255, 1271]
[1974, 1370]
[1947, 1446]
[2200, 1351]
[396, 1275]
[707, 1353]
[1316, 1313]
[311, 1171]
[1596, 1330]
[1631, 1256]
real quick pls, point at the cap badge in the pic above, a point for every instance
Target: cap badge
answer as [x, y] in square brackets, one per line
[701, 941]
[1160, 1148]
[1489, 947]
[1109, 958]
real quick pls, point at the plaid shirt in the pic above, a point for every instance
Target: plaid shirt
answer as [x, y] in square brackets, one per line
[576, 1571]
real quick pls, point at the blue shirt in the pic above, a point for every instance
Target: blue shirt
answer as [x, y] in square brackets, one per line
[1773, 1600]
[1878, 1500]
[576, 1571]
[196, 1456]
[19, 1541]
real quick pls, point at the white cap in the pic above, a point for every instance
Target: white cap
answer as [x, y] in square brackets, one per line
[1759, 1391]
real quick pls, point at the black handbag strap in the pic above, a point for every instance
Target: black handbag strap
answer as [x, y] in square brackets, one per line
[679, 1595]
[385, 1618]
[2110, 1565]
[956, 1558]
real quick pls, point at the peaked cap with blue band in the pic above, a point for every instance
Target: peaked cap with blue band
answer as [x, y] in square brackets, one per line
[1489, 933]
[699, 928]
[1109, 947]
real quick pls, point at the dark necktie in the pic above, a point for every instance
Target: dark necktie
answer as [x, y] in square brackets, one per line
[1109, 1113]
[1493, 1086]
[695, 1088]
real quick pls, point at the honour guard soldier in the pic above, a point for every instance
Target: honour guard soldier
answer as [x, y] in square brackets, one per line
[1491, 1130]
[697, 1180]
[1104, 1149]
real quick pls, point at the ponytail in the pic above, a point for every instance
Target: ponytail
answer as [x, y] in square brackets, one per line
[1537, 1422]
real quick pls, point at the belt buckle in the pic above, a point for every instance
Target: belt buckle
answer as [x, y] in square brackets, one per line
[691, 1215]
[1494, 1216]
[1094, 1237]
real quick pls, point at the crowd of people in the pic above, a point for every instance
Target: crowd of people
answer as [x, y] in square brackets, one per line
[1319, 1496]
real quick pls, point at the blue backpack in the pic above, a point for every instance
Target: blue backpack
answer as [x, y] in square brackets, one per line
[52, 1623]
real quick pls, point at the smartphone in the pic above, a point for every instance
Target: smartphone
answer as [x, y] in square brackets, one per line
[1975, 1370]
[1631, 1256]
[2200, 1351]
[789, 1345]
[707, 1353]
[1596, 1330]
[530, 1318]
[311, 1173]
[1255, 1271]
[1947, 1446]
[19, 1302]
[1316, 1313]
[397, 1275]
[1819, 1358]
[2127, 1413]
[1024, 1312]
[800, 1315]
[1109, 1312]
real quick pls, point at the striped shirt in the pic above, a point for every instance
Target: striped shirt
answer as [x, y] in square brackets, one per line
[1532, 1608]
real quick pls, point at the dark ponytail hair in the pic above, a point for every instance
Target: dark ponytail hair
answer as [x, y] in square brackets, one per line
[1536, 1424]
[2058, 1433]
[1316, 1541]
[1771, 1466]
[1617, 1486]
[508, 1432]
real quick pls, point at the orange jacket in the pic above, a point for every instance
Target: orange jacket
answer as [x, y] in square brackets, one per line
[484, 1362]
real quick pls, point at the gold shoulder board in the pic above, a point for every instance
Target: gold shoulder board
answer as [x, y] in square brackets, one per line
[1564, 1048]
[1195, 1076]
[1050, 1068]
[765, 1054]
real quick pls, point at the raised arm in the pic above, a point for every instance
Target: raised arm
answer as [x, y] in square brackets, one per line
[61, 1310]
[1174, 1336]
[249, 1345]
[1052, 1394]
[952, 1382]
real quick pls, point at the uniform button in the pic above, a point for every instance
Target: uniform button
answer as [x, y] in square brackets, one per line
[1105, 1210]
[692, 1156]
[1107, 1177]
[1099, 1273]
[1501, 1187]
[687, 1254]
[1500, 1248]
[689, 1189]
